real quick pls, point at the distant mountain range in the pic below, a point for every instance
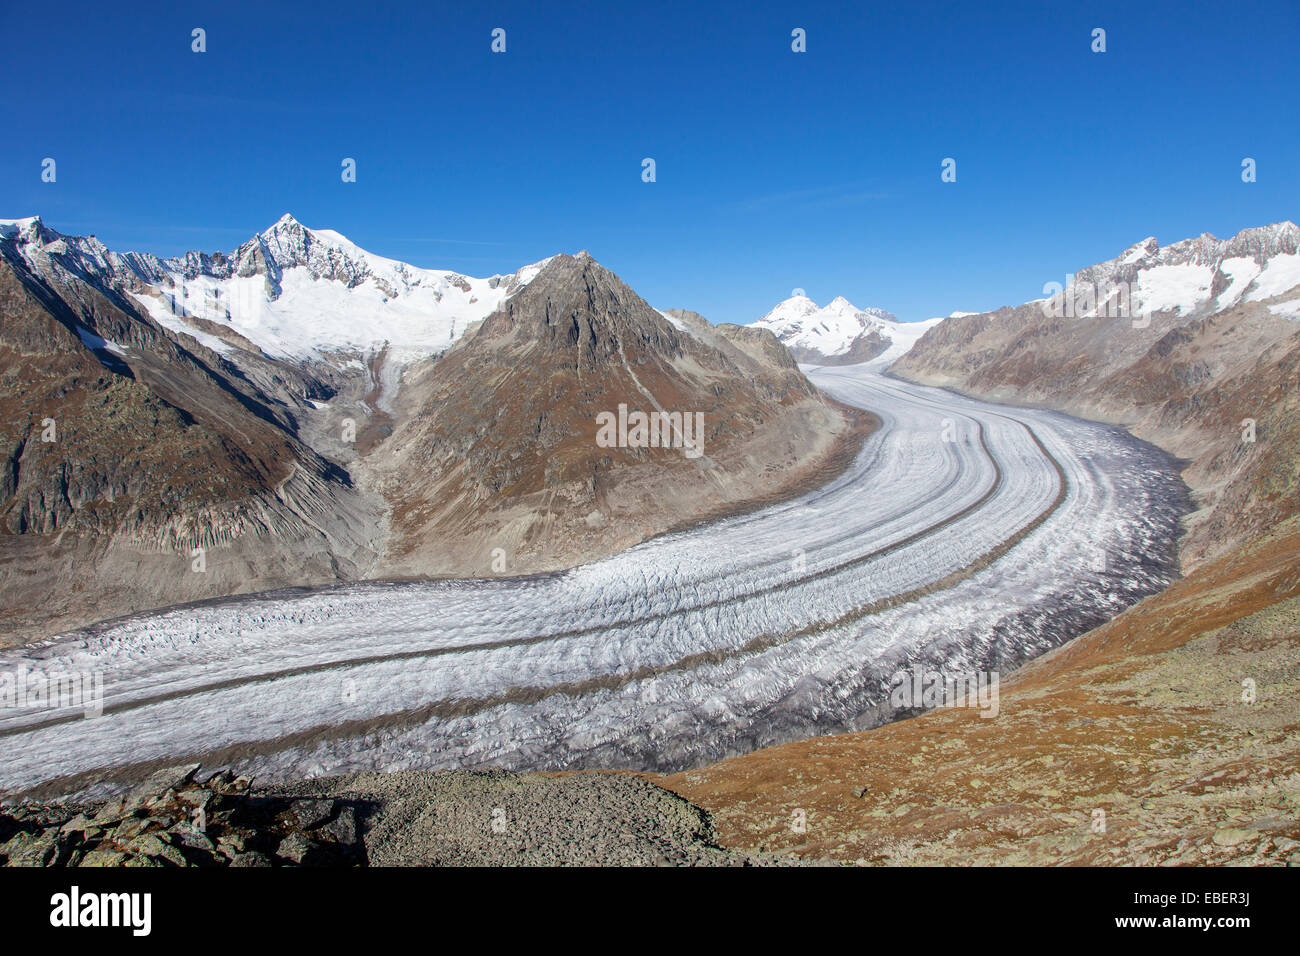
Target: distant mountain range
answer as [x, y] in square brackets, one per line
[302, 411]
[313, 412]
[291, 292]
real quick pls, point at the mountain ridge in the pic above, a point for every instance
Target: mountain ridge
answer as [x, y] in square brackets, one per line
[252, 412]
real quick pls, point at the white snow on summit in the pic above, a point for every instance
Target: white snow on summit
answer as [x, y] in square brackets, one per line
[832, 330]
[293, 292]
[1253, 266]
[1256, 265]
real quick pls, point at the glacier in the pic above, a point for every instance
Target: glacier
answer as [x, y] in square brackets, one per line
[965, 536]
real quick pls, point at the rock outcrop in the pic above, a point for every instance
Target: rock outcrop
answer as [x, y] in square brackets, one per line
[171, 820]
[409, 818]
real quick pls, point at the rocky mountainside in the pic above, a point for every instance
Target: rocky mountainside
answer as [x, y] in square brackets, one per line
[500, 453]
[1203, 359]
[300, 411]
[839, 333]
[138, 467]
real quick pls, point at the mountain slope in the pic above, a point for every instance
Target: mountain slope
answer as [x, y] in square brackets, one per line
[124, 448]
[1209, 343]
[532, 477]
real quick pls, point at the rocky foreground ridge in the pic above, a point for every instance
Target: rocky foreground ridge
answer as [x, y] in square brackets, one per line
[399, 819]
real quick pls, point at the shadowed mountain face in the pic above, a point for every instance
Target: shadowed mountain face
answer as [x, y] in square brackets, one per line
[123, 448]
[502, 446]
[1205, 363]
[290, 408]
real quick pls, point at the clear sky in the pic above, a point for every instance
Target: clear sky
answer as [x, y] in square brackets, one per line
[775, 169]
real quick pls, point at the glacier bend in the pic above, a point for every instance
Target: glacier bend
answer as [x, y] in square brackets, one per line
[965, 536]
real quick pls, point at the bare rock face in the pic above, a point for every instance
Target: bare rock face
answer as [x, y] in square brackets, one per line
[755, 350]
[170, 820]
[500, 447]
[1210, 372]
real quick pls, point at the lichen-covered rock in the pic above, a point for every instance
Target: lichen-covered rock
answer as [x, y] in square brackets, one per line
[169, 819]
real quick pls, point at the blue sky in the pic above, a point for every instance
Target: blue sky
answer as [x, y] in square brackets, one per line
[775, 170]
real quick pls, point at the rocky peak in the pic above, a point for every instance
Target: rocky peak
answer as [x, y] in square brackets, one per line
[574, 301]
[1260, 243]
[289, 244]
[26, 231]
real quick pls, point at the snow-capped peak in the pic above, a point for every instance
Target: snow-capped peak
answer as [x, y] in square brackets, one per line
[830, 329]
[12, 228]
[839, 330]
[292, 291]
[1254, 265]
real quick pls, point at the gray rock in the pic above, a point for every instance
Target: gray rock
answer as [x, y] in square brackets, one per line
[196, 799]
[490, 818]
[309, 814]
[197, 844]
[32, 849]
[103, 857]
[296, 848]
[111, 812]
[130, 828]
[154, 847]
[81, 827]
[251, 858]
[343, 828]
[233, 842]
[158, 783]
